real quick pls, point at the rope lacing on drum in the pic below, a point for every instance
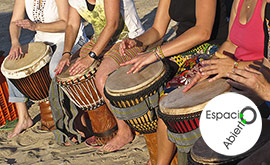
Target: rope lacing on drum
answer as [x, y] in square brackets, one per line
[77, 87]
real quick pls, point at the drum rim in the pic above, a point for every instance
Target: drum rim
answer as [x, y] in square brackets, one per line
[139, 87]
[201, 104]
[31, 68]
[170, 72]
[79, 77]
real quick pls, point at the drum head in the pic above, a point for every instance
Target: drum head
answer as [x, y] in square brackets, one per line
[194, 100]
[36, 55]
[66, 77]
[119, 82]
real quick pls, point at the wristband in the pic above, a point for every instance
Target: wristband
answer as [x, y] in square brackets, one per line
[159, 52]
[66, 53]
[155, 53]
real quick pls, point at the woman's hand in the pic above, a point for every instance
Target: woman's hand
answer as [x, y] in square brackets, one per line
[140, 61]
[257, 80]
[26, 24]
[15, 52]
[128, 44]
[219, 66]
[197, 78]
[64, 61]
[80, 65]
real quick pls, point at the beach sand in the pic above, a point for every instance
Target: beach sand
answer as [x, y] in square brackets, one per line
[34, 146]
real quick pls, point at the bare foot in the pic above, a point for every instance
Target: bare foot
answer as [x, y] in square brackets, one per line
[21, 125]
[122, 138]
[74, 140]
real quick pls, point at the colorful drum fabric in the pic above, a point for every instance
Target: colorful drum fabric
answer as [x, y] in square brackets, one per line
[30, 74]
[186, 62]
[141, 117]
[134, 97]
[181, 111]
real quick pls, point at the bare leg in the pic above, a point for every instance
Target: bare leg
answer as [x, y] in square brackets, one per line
[124, 134]
[166, 148]
[24, 122]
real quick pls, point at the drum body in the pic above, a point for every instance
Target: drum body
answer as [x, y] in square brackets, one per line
[200, 153]
[134, 98]
[30, 75]
[181, 111]
[82, 91]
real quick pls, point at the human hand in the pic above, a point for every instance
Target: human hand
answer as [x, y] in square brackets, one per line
[141, 60]
[220, 66]
[80, 65]
[26, 24]
[15, 52]
[197, 78]
[257, 80]
[128, 43]
[64, 61]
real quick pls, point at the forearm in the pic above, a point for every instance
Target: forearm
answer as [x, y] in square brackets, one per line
[192, 37]
[104, 38]
[149, 37]
[14, 32]
[70, 37]
[54, 27]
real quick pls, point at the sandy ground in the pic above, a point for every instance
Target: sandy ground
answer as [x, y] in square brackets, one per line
[34, 146]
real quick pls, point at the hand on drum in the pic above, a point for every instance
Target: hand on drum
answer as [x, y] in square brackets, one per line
[256, 79]
[219, 66]
[141, 60]
[127, 44]
[65, 60]
[80, 65]
[15, 52]
[26, 24]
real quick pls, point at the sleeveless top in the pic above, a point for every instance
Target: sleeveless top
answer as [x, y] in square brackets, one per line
[97, 19]
[46, 13]
[249, 38]
[184, 12]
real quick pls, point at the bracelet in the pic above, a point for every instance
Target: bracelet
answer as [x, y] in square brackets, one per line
[235, 65]
[159, 52]
[67, 53]
[155, 53]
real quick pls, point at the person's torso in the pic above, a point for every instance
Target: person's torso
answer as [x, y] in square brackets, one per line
[183, 12]
[44, 12]
[249, 37]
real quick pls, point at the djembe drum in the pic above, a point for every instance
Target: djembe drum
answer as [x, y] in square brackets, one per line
[134, 98]
[30, 75]
[82, 91]
[181, 111]
[200, 153]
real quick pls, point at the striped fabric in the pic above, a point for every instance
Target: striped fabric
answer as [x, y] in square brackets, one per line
[113, 52]
[117, 57]
[184, 141]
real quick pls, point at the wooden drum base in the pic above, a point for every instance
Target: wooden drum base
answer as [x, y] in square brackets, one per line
[151, 142]
[103, 124]
[47, 122]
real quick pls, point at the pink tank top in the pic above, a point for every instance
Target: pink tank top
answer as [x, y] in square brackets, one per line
[249, 38]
